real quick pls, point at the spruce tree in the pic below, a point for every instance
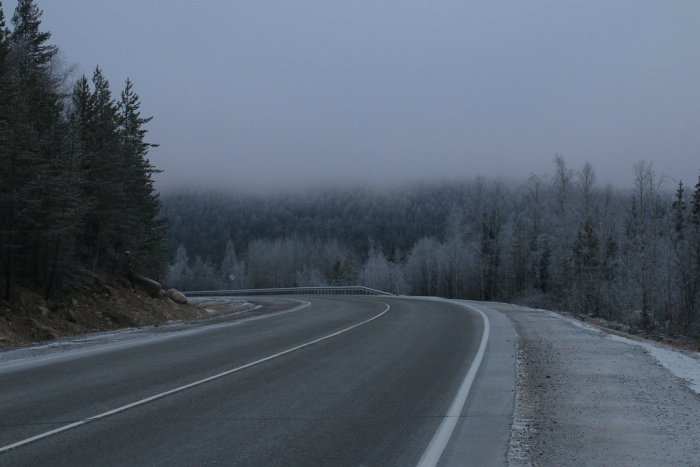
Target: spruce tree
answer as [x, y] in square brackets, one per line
[5, 166]
[33, 55]
[696, 204]
[678, 208]
[4, 47]
[104, 176]
[27, 36]
[586, 256]
[142, 209]
[76, 187]
[32, 141]
[695, 253]
[682, 256]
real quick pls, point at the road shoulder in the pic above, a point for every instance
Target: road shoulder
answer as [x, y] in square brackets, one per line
[585, 399]
[487, 416]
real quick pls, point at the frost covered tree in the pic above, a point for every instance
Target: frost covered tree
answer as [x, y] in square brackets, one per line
[586, 263]
[694, 248]
[204, 275]
[179, 273]
[561, 241]
[377, 271]
[489, 255]
[422, 268]
[683, 258]
[232, 270]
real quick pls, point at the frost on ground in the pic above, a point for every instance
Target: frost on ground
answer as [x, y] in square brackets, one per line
[684, 365]
[219, 309]
[215, 305]
[523, 429]
[585, 399]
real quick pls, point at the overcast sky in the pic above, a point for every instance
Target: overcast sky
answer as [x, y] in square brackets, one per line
[262, 94]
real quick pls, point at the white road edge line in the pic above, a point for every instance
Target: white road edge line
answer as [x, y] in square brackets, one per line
[442, 436]
[182, 388]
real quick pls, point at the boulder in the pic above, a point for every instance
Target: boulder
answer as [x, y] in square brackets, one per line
[71, 315]
[31, 300]
[149, 286]
[44, 332]
[176, 296]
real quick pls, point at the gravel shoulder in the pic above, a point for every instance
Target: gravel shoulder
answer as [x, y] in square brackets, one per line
[584, 399]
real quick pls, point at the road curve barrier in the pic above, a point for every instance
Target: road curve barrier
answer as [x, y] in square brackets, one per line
[339, 290]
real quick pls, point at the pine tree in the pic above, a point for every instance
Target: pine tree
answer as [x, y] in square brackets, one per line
[682, 256]
[679, 208]
[586, 256]
[27, 37]
[71, 203]
[695, 254]
[104, 176]
[696, 204]
[76, 187]
[142, 205]
[4, 46]
[32, 55]
[6, 183]
[544, 265]
[32, 141]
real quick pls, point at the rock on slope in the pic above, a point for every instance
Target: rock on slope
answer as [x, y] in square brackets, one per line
[102, 307]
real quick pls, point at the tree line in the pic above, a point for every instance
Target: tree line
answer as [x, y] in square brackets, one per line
[76, 188]
[557, 240]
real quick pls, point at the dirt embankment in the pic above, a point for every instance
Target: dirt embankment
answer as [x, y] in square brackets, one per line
[29, 318]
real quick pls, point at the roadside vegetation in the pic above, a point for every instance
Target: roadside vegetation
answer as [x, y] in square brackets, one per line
[79, 215]
[556, 240]
[76, 188]
[78, 209]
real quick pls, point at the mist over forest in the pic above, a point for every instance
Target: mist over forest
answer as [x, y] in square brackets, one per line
[559, 240]
[78, 197]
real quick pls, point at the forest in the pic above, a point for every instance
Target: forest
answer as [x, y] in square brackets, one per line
[556, 240]
[77, 198]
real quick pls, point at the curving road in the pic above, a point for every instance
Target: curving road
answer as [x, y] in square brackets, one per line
[304, 381]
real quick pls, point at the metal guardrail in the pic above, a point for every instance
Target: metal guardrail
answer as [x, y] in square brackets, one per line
[343, 290]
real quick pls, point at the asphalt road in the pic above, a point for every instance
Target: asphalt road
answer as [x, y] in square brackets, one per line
[336, 381]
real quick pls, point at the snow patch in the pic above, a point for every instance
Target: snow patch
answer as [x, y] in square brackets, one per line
[582, 325]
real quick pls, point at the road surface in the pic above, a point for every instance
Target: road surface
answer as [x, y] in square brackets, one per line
[321, 381]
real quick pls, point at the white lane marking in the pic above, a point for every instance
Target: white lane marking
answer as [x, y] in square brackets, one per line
[182, 388]
[99, 348]
[437, 445]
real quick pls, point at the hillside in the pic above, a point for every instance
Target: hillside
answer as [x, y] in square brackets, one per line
[100, 307]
